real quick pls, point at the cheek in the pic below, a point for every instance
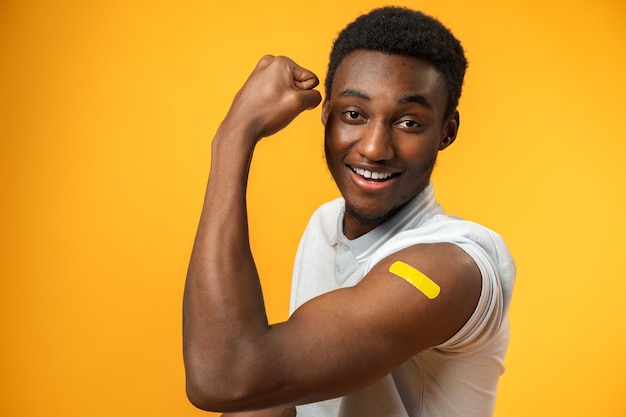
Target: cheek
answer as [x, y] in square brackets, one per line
[337, 141]
[420, 160]
[332, 151]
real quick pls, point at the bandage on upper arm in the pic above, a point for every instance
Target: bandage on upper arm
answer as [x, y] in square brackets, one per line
[416, 278]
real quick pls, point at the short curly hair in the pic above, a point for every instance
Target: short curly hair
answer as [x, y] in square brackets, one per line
[402, 31]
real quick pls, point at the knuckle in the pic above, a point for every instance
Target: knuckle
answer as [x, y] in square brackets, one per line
[265, 61]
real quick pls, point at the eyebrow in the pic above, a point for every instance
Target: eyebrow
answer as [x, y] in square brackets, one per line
[415, 98]
[350, 92]
[408, 98]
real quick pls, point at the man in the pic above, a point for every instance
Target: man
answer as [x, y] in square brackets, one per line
[397, 308]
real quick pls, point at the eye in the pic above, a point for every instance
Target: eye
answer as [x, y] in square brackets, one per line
[352, 115]
[408, 124]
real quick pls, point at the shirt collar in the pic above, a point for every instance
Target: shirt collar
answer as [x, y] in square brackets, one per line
[415, 212]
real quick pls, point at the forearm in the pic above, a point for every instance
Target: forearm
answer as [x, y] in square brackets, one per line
[224, 320]
[223, 304]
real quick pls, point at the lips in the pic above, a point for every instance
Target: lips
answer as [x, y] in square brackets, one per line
[373, 175]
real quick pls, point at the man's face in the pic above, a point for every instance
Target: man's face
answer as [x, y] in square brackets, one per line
[384, 127]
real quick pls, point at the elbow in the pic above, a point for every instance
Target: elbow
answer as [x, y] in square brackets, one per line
[208, 387]
[222, 391]
[210, 396]
[202, 397]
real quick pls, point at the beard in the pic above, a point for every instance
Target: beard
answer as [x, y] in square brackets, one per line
[372, 220]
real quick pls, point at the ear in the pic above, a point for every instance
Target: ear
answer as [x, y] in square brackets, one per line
[325, 111]
[450, 130]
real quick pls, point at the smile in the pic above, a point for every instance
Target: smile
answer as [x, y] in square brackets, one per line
[372, 175]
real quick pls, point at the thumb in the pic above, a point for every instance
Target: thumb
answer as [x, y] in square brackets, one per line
[306, 81]
[303, 78]
[310, 99]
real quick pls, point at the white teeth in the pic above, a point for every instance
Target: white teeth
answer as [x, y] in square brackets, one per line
[372, 175]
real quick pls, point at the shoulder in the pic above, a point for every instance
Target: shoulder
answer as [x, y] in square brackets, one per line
[444, 227]
[477, 244]
[446, 289]
[486, 247]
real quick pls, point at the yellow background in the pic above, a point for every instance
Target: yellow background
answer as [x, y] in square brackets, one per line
[107, 110]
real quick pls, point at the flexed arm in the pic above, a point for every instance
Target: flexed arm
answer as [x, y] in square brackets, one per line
[223, 305]
[333, 344]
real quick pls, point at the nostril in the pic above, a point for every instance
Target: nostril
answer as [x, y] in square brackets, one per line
[376, 144]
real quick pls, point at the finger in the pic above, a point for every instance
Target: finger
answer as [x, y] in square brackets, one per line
[303, 78]
[307, 84]
[311, 99]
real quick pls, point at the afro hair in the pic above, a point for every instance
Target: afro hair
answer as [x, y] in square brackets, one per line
[402, 31]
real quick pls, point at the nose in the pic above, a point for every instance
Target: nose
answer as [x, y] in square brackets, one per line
[375, 143]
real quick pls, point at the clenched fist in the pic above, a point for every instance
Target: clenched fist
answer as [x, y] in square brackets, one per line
[274, 94]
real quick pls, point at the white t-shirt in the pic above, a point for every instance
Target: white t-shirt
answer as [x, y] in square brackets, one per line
[458, 377]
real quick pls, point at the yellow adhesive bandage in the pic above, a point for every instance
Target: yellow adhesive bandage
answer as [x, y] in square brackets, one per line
[416, 278]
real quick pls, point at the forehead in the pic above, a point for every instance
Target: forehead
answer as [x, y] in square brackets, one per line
[388, 76]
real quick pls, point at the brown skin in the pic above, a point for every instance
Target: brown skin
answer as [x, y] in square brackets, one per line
[384, 120]
[376, 119]
[274, 412]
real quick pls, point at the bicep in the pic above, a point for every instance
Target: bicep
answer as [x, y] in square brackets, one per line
[349, 338]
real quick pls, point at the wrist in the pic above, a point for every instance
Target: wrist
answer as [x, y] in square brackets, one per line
[234, 138]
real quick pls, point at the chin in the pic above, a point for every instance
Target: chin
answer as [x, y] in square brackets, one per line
[370, 218]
